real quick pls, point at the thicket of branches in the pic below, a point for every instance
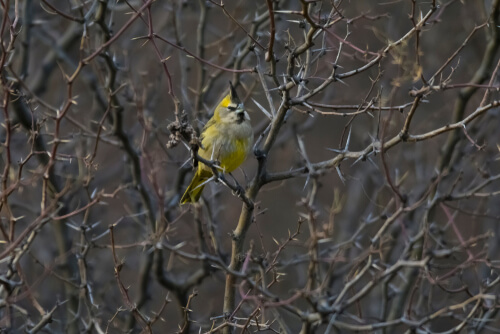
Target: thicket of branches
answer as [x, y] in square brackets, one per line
[370, 202]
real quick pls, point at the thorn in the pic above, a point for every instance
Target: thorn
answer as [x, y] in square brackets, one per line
[348, 140]
[185, 145]
[346, 148]
[203, 183]
[341, 81]
[335, 150]
[335, 64]
[361, 157]
[340, 174]
[372, 162]
[307, 181]
[185, 163]
[264, 111]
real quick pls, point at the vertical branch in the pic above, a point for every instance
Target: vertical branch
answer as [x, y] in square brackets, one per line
[200, 52]
[466, 93]
[270, 49]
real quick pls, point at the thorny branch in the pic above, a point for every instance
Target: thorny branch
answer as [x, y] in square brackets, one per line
[381, 221]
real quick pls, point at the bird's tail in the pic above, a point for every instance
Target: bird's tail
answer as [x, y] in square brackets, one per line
[193, 191]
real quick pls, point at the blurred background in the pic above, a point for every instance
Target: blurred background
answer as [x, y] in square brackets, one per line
[395, 232]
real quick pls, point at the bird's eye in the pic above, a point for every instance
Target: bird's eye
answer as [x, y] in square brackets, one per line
[232, 108]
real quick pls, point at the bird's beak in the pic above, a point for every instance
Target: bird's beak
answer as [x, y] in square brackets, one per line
[241, 113]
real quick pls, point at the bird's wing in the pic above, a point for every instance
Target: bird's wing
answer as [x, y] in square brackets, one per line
[209, 137]
[210, 123]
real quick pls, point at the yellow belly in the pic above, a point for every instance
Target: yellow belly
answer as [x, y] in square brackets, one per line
[235, 156]
[229, 153]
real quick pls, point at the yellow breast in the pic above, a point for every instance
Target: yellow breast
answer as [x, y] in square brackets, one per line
[235, 154]
[227, 147]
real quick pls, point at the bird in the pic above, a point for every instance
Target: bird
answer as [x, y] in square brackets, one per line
[226, 138]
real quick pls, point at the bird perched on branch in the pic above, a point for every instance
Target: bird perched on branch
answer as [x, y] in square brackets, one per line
[227, 138]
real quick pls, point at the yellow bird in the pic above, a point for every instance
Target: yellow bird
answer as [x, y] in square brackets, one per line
[226, 138]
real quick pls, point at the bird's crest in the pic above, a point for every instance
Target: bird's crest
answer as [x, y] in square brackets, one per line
[231, 99]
